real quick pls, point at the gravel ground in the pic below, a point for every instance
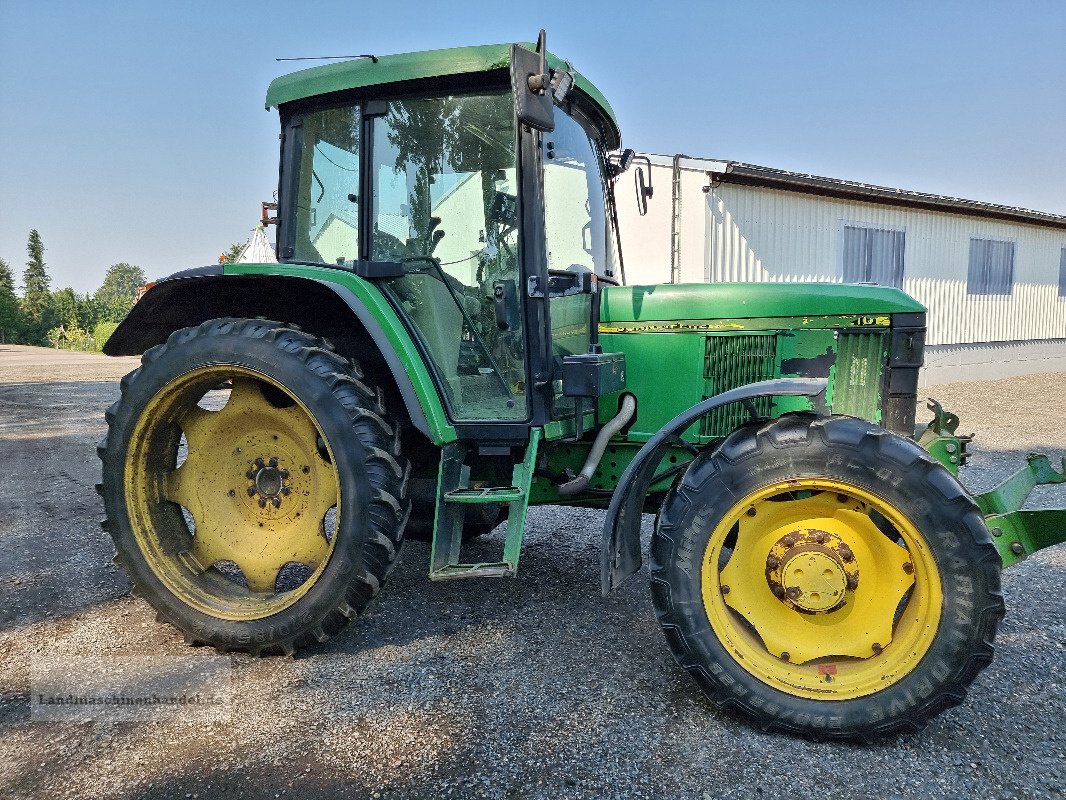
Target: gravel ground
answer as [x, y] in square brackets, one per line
[531, 687]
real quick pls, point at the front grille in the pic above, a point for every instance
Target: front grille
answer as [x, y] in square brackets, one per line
[858, 381]
[732, 361]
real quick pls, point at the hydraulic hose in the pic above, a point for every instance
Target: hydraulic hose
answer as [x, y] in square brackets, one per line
[625, 414]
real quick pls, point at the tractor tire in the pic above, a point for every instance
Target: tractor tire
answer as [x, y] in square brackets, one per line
[826, 578]
[479, 520]
[254, 486]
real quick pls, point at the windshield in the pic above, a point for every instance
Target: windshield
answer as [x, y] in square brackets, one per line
[444, 202]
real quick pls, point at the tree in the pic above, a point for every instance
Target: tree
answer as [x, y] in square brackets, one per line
[35, 280]
[231, 254]
[10, 315]
[116, 296]
[74, 310]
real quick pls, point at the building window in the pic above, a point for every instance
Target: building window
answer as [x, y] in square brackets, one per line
[991, 269]
[1062, 273]
[873, 255]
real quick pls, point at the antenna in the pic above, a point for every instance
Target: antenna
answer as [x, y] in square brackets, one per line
[326, 58]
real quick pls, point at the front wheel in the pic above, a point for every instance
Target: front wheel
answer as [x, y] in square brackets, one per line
[826, 578]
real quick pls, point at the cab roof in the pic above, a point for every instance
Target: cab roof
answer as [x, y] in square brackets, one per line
[362, 72]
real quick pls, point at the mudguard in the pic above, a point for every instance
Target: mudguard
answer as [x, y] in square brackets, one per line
[194, 296]
[620, 553]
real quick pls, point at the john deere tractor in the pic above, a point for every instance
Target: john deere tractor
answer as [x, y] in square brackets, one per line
[448, 339]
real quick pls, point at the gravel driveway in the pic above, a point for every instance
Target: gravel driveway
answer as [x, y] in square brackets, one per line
[530, 687]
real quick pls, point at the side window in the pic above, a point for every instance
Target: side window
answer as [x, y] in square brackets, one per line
[991, 267]
[1062, 273]
[327, 207]
[873, 255]
[575, 220]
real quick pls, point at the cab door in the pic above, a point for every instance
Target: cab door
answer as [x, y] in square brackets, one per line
[443, 202]
[578, 239]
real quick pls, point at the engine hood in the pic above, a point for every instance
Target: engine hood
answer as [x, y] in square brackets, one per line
[749, 300]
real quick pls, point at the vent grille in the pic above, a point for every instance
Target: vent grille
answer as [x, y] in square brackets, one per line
[733, 361]
[857, 385]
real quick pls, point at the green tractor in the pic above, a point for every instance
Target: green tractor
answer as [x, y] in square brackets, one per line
[448, 339]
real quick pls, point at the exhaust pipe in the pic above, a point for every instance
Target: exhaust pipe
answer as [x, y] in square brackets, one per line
[625, 414]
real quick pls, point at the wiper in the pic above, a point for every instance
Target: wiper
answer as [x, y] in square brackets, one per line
[435, 263]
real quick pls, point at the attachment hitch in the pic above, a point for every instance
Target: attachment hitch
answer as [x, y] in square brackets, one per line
[1016, 533]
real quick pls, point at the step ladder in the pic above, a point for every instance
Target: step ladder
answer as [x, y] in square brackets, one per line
[455, 495]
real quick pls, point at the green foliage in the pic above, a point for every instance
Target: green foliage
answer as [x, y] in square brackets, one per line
[35, 280]
[11, 321]
[231, 254]
[70, 337]
[72, 309]
[102, 332]
[115, 298]
[63, 318]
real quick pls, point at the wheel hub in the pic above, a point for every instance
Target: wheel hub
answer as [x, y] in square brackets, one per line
[268, 481]
[811, 571]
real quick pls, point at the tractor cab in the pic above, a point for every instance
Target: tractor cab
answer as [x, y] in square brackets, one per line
[472, 186]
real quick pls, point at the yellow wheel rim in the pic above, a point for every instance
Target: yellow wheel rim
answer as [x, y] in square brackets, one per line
[821, 589]
[232, 493]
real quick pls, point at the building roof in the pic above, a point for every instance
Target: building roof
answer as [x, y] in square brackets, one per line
[376, 70]
[737, 172]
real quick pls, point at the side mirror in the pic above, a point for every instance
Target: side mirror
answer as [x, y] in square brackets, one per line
[644, 190]
[532, 86]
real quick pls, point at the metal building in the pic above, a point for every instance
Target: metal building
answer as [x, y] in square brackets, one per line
[993, 277]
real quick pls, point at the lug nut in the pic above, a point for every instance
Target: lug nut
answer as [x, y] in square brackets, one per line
[259, 463]
[751, 511]
[250, 474]
[785, 656]
[285, 490]
[251, 491]
[232, 493]
[277, 502]
[262, 502]
[842, 498]
[876, 648]
[789, 540]
[793, 592]
[284, 473]
[908, 568]
[853, 582]
[725, 590]
[773, 562]
[778, 590]
[846, 554]
[273, 462]
[1016, 548]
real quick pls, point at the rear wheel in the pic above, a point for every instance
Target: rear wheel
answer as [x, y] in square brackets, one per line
[827, 578]
[479, 519]
[254, 485]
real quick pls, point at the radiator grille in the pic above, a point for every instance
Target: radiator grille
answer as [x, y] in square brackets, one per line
[857, 385]
[733, 361]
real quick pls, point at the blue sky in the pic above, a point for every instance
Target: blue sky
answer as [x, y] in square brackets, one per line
[136, 131]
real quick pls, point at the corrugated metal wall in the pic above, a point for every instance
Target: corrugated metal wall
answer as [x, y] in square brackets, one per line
[740, 233]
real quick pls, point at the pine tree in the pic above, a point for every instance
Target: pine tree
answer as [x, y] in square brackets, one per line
[10, 316]
[35, 281]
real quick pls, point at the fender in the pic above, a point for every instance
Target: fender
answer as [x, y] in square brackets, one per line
[317, 298]
[620, 552]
